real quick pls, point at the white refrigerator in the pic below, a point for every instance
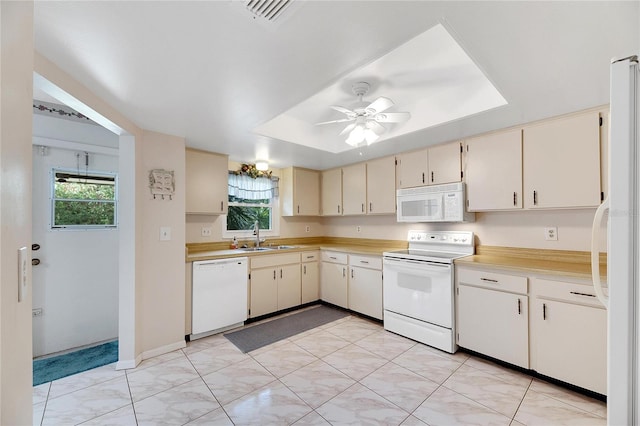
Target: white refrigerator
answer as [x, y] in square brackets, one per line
[622, 295]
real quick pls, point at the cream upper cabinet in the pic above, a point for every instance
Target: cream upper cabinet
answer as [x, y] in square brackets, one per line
[561, 162]
[300, 192]
[493, 171]
[412, 168]
[354, 189]
[569, 334]
[332, 192]
[432, 166]
[207, 184]
[445, 165]
[492, 314]
[381, 186]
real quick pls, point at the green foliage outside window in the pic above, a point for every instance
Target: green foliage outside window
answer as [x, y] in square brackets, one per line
[83, 201]
[242, 214]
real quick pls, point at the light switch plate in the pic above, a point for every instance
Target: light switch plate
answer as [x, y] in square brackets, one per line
[165, 233]
[23, 259]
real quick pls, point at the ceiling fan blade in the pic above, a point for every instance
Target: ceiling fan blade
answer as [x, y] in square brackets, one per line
[376, 127]
[344, 110]
[392, 117]
[342, 120]
[379, 105]
[347, 129]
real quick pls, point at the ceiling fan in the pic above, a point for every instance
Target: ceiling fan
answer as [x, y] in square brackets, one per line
[366, 117]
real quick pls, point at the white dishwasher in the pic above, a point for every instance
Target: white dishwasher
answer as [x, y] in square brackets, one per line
[219, 295]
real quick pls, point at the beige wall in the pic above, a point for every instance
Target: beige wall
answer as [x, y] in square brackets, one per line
[16, 66]
[163, 304]
[509, 229]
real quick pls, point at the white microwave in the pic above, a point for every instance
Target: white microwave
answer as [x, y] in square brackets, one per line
[436, 203]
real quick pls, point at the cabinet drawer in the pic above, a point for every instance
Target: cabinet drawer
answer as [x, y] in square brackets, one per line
[266, 261]
[581, 294]
[372, 262]
[334, 257]
[492, 280]
[310, 256]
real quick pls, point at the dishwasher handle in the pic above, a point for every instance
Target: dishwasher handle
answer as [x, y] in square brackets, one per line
[217, 263]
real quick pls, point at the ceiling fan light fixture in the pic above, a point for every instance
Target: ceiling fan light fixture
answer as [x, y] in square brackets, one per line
[370, 136]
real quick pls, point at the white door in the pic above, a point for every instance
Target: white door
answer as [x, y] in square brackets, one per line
[419, 290]
[75, 286]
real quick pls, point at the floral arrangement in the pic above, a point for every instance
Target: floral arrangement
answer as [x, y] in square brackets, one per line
[251, 171]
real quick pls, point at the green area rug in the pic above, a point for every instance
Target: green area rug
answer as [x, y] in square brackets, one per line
[55, 367]
[252, 338]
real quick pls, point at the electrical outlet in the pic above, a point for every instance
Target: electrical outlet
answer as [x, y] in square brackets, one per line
[358, 228]
[206, 231]
[36, 312]
[551, 233]
[307, 228]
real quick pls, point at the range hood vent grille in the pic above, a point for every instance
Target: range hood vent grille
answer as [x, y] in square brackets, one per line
[268, 10]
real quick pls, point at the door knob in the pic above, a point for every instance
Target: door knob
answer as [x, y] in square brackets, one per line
[35, 262]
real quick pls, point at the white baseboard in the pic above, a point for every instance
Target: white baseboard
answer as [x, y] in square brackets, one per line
[163, 349]
[128, 363]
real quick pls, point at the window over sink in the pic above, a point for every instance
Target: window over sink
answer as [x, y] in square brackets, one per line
[250, 200]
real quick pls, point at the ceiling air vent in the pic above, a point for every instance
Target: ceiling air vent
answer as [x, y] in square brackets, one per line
[268, 10]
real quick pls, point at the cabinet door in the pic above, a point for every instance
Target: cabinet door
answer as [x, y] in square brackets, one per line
[494, 171]
[354, 189]
[306, 192]
[381, 186]
[412, 168]
[206, 179]
[494, 323]
[562, 163]
[445, 164]
[289, 290]
[332, 192]
[310, 282]
[365, 291]
[333, 283]
[264, 291]
[571, 343]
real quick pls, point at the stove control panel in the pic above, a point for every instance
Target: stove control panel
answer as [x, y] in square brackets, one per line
[442, 237]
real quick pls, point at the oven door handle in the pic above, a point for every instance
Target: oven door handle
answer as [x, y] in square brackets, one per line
[399, 264]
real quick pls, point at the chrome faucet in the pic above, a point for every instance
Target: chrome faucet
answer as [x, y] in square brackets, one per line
[256, 232]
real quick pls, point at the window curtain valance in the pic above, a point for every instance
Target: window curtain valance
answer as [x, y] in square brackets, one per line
[248, 188]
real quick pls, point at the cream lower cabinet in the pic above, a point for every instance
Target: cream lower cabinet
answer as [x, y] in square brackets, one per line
[334, 278]
[569, 334]
[275, 283]
[310, 276]
[492, 315]
[365, 285]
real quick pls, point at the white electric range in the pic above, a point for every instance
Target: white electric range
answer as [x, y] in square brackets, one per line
[419, 283]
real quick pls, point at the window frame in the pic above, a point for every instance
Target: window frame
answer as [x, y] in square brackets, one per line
[89, 174]
[247, 234]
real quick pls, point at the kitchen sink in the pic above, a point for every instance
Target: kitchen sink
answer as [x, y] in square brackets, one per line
[257, 248]
[284, 247]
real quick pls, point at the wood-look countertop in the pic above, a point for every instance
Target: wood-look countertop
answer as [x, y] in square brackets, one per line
[199, 252]
[574, 264]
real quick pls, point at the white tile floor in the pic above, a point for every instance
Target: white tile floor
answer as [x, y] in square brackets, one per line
[349, 371]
